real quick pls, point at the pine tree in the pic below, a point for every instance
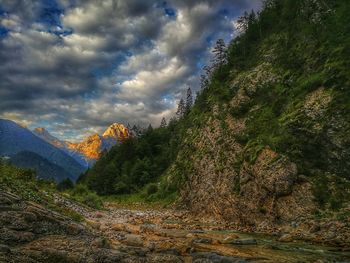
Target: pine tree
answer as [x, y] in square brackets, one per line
[172, 120]
[208, 71]
[150, 128]
[220, 53]
[181, 109]
[189, 101]
[204, 82]
[163, 123]
[242, 23]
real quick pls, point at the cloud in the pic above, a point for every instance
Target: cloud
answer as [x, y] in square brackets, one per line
[77, 66]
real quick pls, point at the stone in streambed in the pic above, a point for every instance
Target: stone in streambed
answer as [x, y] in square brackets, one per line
[286, 238]
[118, 227]
[148, 228]
[230, 239]
[247, 241]
[203, 240]
[133, 240]
[93, 224]
[206, 257]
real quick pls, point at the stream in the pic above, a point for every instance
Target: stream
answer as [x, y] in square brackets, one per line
[190, 240]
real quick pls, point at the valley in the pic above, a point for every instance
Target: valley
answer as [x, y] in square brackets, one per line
[248, 160]
[141, 234]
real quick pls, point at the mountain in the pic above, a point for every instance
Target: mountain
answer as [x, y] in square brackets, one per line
[90, 149]
[15, 139]
[116, 131]
[43, 168]
[93, 146]
[267, 141]
[46, 136]
[63, 145]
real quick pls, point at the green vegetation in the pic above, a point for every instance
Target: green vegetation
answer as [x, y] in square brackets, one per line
[134, 164]
[23, 182]
[289, 71]
[64, 185]
[85, 196]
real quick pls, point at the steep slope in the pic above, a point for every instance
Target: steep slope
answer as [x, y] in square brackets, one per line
[266, 145]
[15, 139]
[117, 131]
[63, 145]
[90, 149]
[46, 136]
[270, 144]
[43, 168]
[93, 147]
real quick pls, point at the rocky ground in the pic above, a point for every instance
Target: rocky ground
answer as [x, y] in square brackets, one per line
[32, 233]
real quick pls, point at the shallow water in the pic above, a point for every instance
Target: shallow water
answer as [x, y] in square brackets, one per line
[188, 239]
[268, 249]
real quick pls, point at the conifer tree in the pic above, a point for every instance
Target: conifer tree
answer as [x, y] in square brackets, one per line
[242, 23]
[181, 109]
[220, 53]
[163, 123]
[204, 82]
[189, 101]
[172, 120]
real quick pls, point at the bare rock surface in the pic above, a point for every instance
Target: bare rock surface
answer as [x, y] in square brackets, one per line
[33, 233]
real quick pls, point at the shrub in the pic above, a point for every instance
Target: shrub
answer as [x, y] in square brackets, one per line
[151, 189]
[92, 200]
[80, 189]
[64, 185]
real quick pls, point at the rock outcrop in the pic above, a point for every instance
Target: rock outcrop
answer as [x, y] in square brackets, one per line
[90, 149]
[93, 147]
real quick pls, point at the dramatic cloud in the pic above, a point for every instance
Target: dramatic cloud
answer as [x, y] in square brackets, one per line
[76, 66]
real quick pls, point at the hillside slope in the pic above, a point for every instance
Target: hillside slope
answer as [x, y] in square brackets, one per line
[62, 145]
[273, 143]
[90, 149]
[15, 139]
[43, 168]
[267, 141]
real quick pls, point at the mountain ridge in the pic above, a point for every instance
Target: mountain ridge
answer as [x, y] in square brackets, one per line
[90, 149]
[14, 139]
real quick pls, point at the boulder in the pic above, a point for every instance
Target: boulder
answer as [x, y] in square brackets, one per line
[133, 240]
[247, 241]
[229, 239]
[286, 238]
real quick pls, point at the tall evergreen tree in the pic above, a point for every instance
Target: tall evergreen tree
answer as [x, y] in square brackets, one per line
[189, 101]
[181, 109]
[163, 123]
[242, 23]
[220, 53]
[204, 82]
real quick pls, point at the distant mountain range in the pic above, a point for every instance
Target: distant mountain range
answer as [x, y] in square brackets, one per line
[44, 168]
[51, 157]
[15, 139]
[90, 149]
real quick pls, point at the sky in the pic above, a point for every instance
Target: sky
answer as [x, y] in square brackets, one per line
[77, 66]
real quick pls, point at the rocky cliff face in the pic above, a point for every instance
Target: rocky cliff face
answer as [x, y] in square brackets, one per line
[93, 147]
[231, 171]
[117, 132]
